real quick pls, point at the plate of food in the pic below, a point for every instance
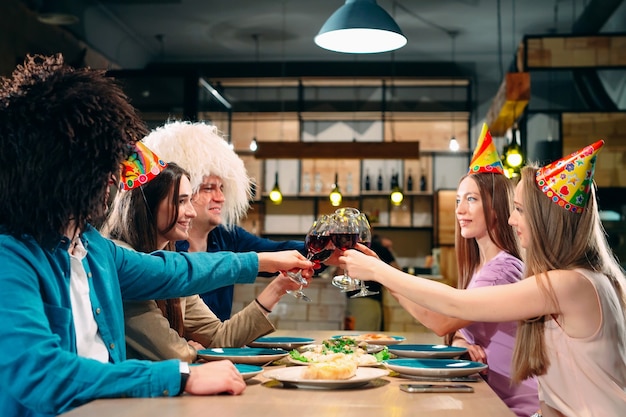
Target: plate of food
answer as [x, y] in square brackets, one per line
[248, 371]
[330, 375]
[280, 342]
[339, 349]
[250, 356]
[373, 338]
[434, 367]
[427, 351]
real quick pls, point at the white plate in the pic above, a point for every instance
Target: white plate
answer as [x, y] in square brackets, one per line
[434, 367]
[250, 356]
[427, 351]
[297, 362]
[292, 376]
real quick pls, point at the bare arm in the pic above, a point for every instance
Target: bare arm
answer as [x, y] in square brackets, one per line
[438, 323]
[518, 301]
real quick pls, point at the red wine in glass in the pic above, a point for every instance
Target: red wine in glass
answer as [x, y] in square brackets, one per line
[315, 244]
[343, 241]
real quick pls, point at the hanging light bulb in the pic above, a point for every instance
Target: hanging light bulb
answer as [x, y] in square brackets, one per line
[513, 155]
[253, 145]
[396, 196]
[275, 195]
[454, 144]
[335, 195]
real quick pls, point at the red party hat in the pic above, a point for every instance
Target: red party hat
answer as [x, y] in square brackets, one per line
[485, 157]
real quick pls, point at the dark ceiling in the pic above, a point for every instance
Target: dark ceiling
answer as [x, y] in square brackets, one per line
[137, 33]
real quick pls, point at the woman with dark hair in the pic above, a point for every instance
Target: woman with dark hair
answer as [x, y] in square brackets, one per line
[63, 133]
[152, 217]
[487, 254]
[571, 303]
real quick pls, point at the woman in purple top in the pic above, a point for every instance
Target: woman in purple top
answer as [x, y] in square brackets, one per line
[488, 254]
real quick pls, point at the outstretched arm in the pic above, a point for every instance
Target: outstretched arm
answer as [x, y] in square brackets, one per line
[522, 300]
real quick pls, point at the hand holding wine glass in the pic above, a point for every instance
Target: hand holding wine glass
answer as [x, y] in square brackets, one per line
[344, 234]
[316, 243]
[365, 238]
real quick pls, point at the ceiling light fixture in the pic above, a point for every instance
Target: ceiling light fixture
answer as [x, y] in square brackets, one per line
[360, 27]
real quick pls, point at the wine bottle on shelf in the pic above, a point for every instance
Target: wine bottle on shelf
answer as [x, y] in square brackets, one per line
[318, 183]
[409, 181]
[423, 181]
[394, 180]
[379, 181]
[368, 184]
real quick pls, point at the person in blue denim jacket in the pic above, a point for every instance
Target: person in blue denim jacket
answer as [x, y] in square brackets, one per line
[64, 133]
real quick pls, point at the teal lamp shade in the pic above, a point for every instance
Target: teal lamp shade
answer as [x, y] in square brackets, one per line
[360, 27]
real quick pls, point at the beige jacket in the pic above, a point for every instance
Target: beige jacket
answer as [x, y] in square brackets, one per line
[149, 336]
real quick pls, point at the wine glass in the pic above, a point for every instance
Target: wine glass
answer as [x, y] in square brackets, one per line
[365, 237]
[316, 242]
[344, 234]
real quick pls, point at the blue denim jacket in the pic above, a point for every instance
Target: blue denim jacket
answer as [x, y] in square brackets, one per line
[40, 372]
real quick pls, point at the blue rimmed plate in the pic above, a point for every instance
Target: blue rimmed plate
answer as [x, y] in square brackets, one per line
[250, 356]
[434, 367]
[248, 371]
[281, 342]
[427, 351]
[373, 338]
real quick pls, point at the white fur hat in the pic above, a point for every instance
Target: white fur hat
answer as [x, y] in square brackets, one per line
[199, 149]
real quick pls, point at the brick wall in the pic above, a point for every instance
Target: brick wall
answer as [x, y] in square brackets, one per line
[325, 312]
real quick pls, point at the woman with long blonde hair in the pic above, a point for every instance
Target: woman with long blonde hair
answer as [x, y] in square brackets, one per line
[571, 303]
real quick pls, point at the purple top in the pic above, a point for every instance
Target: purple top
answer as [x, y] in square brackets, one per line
[498, 339]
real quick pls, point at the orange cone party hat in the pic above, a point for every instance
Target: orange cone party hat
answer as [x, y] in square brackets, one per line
[485, 157]
[567, 182]
[140, 167]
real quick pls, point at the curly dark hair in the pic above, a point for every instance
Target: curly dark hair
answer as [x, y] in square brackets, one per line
[63, 133]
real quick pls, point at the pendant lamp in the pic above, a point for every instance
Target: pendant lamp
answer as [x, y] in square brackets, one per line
[360, 27]
[335, 195]
[276, 196]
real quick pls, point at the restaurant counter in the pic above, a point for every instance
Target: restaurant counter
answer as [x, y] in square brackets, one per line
[263, 397]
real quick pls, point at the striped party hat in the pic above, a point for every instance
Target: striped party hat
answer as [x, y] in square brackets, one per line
[485, 157]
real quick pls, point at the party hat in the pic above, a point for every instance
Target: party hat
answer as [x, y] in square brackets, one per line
[485, 157]
[140, 167]
[567, 182]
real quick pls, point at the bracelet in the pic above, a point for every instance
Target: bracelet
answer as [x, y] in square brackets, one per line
[267, 310]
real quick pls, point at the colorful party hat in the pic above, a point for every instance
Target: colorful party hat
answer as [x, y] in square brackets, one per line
[485, 157]
[567, 182]
[140, 167]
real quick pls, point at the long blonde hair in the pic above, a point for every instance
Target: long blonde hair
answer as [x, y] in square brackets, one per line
[577, 240]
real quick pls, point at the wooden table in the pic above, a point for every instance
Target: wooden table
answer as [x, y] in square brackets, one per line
[382, 399]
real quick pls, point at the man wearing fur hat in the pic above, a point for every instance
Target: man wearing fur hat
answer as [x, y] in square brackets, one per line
[221, 197]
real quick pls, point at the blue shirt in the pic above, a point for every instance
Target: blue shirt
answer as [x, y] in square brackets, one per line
[235, 239]
[40, 371]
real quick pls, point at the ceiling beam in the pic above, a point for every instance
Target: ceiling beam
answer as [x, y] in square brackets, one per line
[337, 150]
[509, 103]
